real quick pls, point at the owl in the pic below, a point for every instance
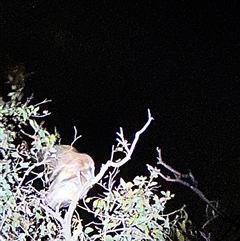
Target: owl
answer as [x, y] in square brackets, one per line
[71, 172]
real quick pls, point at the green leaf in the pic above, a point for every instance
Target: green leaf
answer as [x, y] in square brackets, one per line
[108, 238]
[122, 183]
[42, 133]
[21, 237]
[15, 154]
[88, 230]
[24, 164]
[88, 199]
[166, 223]
[179, 235]
[52, 138]
[36, 109]
[23, 112]
[34, 125]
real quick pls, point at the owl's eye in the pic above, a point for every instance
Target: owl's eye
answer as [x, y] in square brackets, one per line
[90, 169]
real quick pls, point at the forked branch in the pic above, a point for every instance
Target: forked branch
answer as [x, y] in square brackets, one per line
[123, 146]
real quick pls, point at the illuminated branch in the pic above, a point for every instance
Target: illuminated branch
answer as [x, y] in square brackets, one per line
[122, 145]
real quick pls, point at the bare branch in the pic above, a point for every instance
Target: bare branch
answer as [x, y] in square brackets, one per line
[43, 102]
[30, 136]
[41, 116]
[75, 136]
[129, 151]
[29, 170]
[178, 178]
[104, 168]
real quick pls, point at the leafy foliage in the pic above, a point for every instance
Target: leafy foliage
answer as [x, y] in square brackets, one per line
[20, 214]
[127, 211]
[131, 211]
[136, 211]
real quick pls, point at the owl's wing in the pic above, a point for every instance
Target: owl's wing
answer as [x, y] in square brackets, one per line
[62, 193]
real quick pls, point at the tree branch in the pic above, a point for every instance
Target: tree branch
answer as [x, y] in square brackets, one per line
[111, 163]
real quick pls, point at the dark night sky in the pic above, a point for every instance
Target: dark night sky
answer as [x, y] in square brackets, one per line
[103, 63]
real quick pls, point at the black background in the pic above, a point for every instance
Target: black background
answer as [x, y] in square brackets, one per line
[103, 63]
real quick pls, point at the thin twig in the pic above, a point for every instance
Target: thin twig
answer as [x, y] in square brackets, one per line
[43, 102]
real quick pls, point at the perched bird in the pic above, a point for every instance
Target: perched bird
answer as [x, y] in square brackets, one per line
[71, 173]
